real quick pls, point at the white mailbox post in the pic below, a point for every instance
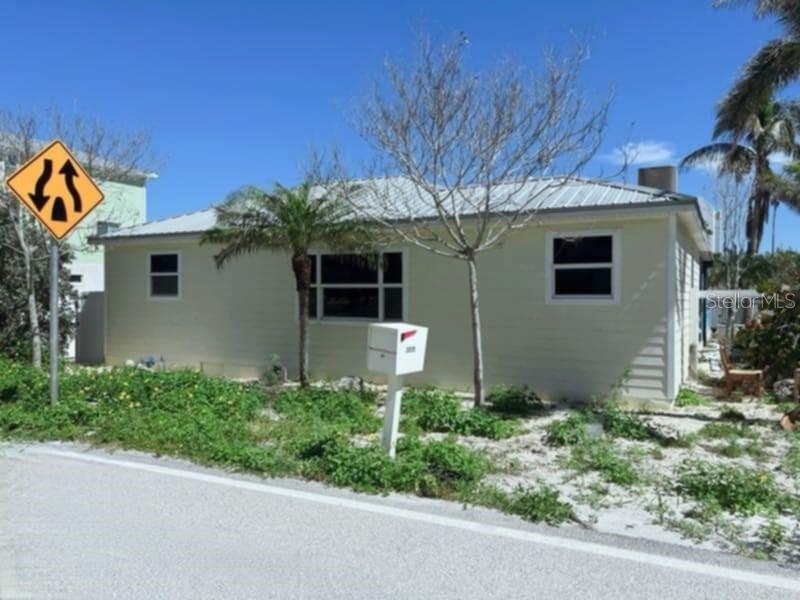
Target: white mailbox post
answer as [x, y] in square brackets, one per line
[395, 349]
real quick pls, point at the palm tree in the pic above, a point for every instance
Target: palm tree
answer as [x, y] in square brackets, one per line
[252, 220]
[773, 67]
[747, 152]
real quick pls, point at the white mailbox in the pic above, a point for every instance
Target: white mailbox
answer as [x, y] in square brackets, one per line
[396, 348]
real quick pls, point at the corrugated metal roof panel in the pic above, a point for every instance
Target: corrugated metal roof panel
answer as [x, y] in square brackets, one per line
[543, 194]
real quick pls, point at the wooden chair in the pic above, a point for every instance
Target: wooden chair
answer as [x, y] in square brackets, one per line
[734, 376]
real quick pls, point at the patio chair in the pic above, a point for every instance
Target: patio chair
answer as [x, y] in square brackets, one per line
[734, 376]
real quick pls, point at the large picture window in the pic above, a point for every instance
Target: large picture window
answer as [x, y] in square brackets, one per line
[583, 267]
[357, 286]
[164, 275]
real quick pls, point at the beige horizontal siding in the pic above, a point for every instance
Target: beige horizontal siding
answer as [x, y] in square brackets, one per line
[232, 320]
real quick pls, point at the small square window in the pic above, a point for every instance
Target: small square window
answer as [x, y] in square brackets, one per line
[164, 276]
[583, 267]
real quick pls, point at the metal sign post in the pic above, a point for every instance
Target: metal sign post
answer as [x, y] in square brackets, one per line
[54, 314]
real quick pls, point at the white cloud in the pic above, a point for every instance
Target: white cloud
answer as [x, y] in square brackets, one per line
[641, 153]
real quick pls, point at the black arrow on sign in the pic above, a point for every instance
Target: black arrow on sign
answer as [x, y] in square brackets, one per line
[38, 197]
[69, 173]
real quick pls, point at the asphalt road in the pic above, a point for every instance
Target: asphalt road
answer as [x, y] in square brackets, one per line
[88, 524]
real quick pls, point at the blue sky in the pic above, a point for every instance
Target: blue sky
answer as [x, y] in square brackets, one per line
[238, 92]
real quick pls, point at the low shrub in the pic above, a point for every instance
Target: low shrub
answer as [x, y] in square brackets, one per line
[731, 414]
[344, 408]
[733, 449]
[602, 456]
[617, 423]
[735, 489]
[19, 382]
[437, 468]
[620, 423]
[718, 431]
[431, 409]
[688, 397]
[541, 504]
[568, 431]
[514, 401]
[791, 460]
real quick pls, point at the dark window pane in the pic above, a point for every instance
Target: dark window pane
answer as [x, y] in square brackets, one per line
[312, 303]
[75, 278]
[349, 268]
[393, 267]
[393, 304]
[313, 262]
[350, 302]
[595, 249]
[583, 282]
[164, 285]
[164, 263]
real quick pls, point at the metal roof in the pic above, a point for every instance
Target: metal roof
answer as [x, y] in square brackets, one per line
[541, 195]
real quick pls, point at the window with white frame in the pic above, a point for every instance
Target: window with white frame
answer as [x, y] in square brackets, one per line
[357, 286]
[583, 266]
[164, 275]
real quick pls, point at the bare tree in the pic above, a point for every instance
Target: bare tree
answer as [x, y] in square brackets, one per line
[107, 155]
[464, 146]
[732, 194]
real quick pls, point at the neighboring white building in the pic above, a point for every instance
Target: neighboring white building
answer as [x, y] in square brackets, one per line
[603, 284]
[124, 205]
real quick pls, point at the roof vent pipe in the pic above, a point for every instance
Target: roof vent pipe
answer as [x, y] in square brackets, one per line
[661, 178]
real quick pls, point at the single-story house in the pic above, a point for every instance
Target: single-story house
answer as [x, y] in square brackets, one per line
[602, 284]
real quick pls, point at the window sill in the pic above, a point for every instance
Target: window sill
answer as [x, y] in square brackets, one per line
[347, 322]
[584, 301]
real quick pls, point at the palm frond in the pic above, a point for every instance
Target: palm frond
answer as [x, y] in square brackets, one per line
[773, 67]
[251, 219]
[728, 158]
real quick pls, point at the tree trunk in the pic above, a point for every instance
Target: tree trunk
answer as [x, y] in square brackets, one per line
[30, 289]
[758, 207]
[477, 347]
[302, 275]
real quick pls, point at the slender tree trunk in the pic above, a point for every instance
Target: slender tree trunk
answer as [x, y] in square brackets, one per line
[774, 220]
[758, 207]
[477, 346]
[30, 290]
[302, 274]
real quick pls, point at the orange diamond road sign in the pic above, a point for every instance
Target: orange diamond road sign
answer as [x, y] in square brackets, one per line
[56, 189]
